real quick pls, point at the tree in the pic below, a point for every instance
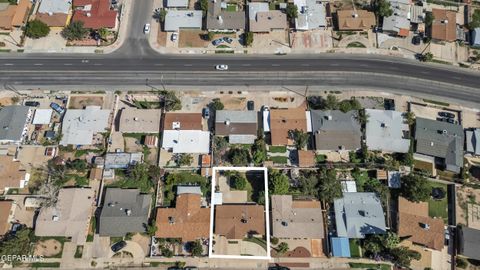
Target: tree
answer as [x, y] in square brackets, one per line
[282, 248]
[216, 104]
[415, 188]
[74, 31]
[18, 243]
[170, 101]
[78, 165]
[278, 182]
[292, 12]
[308, 184]
[383, 8]
[36, 29]
[210, 36]
[274, 240]
[300, 138]
[259, 150]
[103, 33]
[239, 156]
[204, 6]
[162, 14]
[461, 263]
[151, 229]
[426, 57]
[238, 182]
[329, 187]
[195, 248]
[429, 18]
[166, 252]
[402, 256]
[475, 22]
[248, 38]
[331, 103]
[410, 117]
[184, 159]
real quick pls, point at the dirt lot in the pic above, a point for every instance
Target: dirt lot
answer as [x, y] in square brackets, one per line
[468, 208]
[80, 102]
[192, 38]
[48, 248]
[162, 38]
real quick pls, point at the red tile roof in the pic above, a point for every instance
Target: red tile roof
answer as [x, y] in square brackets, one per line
[99, 16]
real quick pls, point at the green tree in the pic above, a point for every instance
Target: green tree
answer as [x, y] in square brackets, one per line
[248, 38]
[282, 248]
[216, 104]
[278, 182]
[151, 229]
[162, 14]
[331, 103]
[329, 187]
[292, 12]
[18, 243]
[184, 159]
[36, 29]
[103, 33]
[475, 22]
[410, 117]
[239, 156]
[461, 263]
[308, 184]
[415, 188]
[383, 8]
[204, 6]
[274, 240]
[78, 165]
[403, 256]
[429, 18]
[74, 31]
[427, 57]
[259, 150]
[300, 138]
[238, 181]
[210, 36]
[196, 248]
[166, 252]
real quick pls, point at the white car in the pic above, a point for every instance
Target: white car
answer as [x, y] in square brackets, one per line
[174, 36]
[146, 28]
[221, 67]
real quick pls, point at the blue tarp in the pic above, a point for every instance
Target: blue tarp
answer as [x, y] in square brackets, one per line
[340, 247]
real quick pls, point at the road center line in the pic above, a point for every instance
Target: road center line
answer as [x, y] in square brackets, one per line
[8, 64]
[67, 64]
[38, 64]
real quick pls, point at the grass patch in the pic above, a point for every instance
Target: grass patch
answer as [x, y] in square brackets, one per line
[279, 160]
[91, 229]
[355, 44]
[320, 158]
[380, 266]
[78, 252]
[229, 51]
[355, 251]
[174, 179]
[138, 136]
[115, 239]
[45, 265]
[258, 241]
[277, 149]
[231, 7]
[5, 50]
[81, 152]
[436, 102]
[20, 50]
[272, 6]
[438, 208]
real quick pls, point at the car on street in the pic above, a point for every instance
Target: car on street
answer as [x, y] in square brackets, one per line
[146, 28]
[175, 268]
[32, 103]
[217, 42]
[118, 246]
[250, 105]
[174, 36]
[228, 39]
[446, 114]
[221, 67]
[416, 40]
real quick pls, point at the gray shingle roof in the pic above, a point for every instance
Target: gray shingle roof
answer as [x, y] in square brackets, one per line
[218, 19]
[469, 242]
[385, 131]
[473, 141]
[12, 122]
[236, 123]
[358, 214]
[335, 130]
[124, 210]
[441, 140]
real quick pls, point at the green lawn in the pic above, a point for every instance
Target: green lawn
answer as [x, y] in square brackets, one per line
[355, 44]
[78, 252]
[320, 158]
[277, 149]
[355, 251]
[438, 208]
[45, 264]
[372, 266]
[279, 160]
[231, 7]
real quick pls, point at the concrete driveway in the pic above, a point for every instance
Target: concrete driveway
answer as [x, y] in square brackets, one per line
[54, 42]
[133, 247]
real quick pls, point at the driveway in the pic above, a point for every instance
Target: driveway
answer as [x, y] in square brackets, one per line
[52, 43]
[132, 247]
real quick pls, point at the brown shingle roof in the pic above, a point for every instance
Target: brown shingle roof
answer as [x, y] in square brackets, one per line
[10, 173]
[100, 15]
[284, 120]
[347, 21]
[306, 158]
[5, 208]
[54, 20]
[268, 21]
[188, 220]
[188, 121]
[15, 15]
[444, 25]
[412, 208]
[236, 221]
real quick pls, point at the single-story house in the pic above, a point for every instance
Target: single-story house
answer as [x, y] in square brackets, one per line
[469, 242]
[54, 13]
[241, 127]
[358, 214]
[182, 121]
[441, 140]
[124, 211]
[387, 131]
[133, 120]
[7, 209]
[79, 126]
[475, 37]
[473, 141]
[186, 141]
[69, 217]
[311, 15]
[335, 130]
[399, 22]
[122, 160]
[444, 25]
[263, 20]
[219, 19]
[12, 174]
[296, 218]
[176, 20]
[42, 116]
[95, 14]
[236, 221]
[14, 16]
[282, 121]
[355, 20]
[13, 122]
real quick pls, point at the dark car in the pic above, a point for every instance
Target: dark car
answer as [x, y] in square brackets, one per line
[446, 114]
[416, 40]
[57, 108]
[190, 268]
[32, 103]
[206, 113]
[217, 42]
[174, 268]
[228, 39]
[278, 267]
[441, 119]
[118, 246]
[250, 105]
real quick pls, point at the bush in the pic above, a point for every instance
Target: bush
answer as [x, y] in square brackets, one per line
[274, 241]
[461, 263]
[248, 38]
[36, 29]
[239, 156]
[74, 31]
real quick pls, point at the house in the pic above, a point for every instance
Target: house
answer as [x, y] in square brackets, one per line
[122, 160]
[414, 223]
[182, 121]
[14, 16]
[12, 174]
[220, 19]
[186, 141]
[358, 214]
[335, 130]
[80, 126]
[176, 20]
[124, 211]
[133, 120]
[188, 220]
[441, 140]
[54, 13]
[69, 217]
[263, 20]
[177, 3]
[6, 216]
[399, 22]
[13, 123]
[468, 242]
[295, 218]
[42, 117]
[444, 25]
[311, 15]
[473, 141]
[282, 121]
[240, 127]
[95, 14]
[475, 37]
[236, 221]
[306, 159]
[355, 20]
[386, 131]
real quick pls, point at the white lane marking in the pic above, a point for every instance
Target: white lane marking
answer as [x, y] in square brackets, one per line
[275, 65]
[305, 65]
[246, 65]
[187, 65]
[38, 64]
[8, 64]
[67, 64]
[96, 64]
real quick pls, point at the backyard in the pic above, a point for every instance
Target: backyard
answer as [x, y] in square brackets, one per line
[438, 208]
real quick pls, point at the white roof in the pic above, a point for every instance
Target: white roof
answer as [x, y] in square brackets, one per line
[255, 7]
[311, 15]
[349, 186]
[79, 126]
[42, 116]
[217, 198]
[384, 131]
[187, 141]
[266, 121]
[180, 19]
[177, 3]
[55, 6]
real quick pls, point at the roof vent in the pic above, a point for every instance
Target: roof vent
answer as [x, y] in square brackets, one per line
[444, 131]
[176, 125]
[424, 226]
[171, 220]
[355, 15]
[227, 122]
[129, 212]
[445, 21]
[220, 19]
[329, 117]
[284, 223]
[55, 218]
[89, 14]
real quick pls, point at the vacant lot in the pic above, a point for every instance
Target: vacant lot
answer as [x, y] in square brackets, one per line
[192, 38]
[80, 102]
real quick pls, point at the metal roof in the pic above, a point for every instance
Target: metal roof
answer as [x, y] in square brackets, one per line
[183, 19]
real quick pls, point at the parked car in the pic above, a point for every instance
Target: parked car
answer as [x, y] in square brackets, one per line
[32, 103]
[118, 246]
[206, 113]
[278, 267]
[174, 36]
[221, 67]
[446, 114]
[228, 39]
[217, 42]
[59, 109]
[190, 268]
[146, 28]
[416, 40]
[441, 119]
[250, 105]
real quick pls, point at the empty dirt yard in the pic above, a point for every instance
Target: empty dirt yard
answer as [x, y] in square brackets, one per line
[192, 39]
[80, 102]
[48, 248]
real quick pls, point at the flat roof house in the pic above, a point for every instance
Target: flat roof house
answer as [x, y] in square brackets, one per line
[296, 219]
[54, 13]
[335, 130]
[188, 220]
[219, 19]
[176, 20]
[186, 141]
[42, 117]
[241, 127]
[473, 141]
[399, 22]
[444, 25]
[13, 123]
[14, 16]
[236, 221]
[358, 214]
[6, 216]
[469, 242]
[311, 15]
[355, 20]
[387, 131]
[69, 217]
[79, 126]
[441, 140]
[133, 120]
[124, 211]
[122, 160]
[95, 14]
[282, 121]
[263, 20]
[12, 174]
